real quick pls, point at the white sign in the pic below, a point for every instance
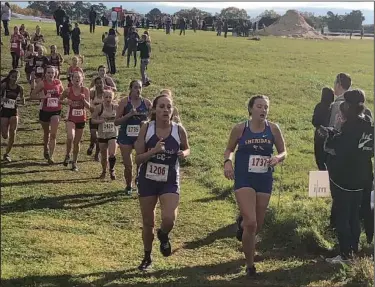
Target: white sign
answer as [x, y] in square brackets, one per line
[319, 184]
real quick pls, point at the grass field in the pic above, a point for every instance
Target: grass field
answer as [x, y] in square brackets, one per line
[61, 228]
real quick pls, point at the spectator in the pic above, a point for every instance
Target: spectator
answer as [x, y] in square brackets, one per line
[110, 49]
[225, 28]
[321, 118]
[132, 42]
[114, 17]
[59, 16]
[76, 40]
[66, 32]
[6, 14]
[350, 149]
[182, 25]
[92, 19]
[145, 50]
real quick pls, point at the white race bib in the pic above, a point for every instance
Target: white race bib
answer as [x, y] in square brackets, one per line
[157, 172]
[52, 102]
[258, 164]
[9, 104]
[77, 112]
[39, 70]
[14, 45]
[108, 127]
[132, 130]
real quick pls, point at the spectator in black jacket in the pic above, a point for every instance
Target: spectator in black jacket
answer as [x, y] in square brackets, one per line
[321, 118]
[66, 32]
[76, 40]
[350, 150]
[59, 16]
[92, 19]
[144, 47]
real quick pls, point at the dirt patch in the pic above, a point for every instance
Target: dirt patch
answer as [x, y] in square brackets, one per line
[292, 25]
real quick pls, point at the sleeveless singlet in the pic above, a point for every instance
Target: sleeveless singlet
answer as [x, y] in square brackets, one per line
[132, 126]
[39, 64]
[15, 45]
[162, 167]
[10, 97]
[76, 111]
[53, 103]
[254, 150]
[107, 129]
[55, 61]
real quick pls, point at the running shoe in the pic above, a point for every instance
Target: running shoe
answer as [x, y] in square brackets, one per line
[146, 264]
[74, 167]
[96, 157]
[239, 231]
[338, 260]
[66, 160]
[128, 190]
[46, 155]
[6, 158]
[112, 174]
[90, 149]
[51, 161]
[251, 272]
[102, 176]
[165, 245]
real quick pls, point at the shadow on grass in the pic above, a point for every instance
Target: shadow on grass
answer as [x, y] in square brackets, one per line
[203, 275]
[224, 232]
[26, 163]
[68, 202]
[219, 194]
[46, 181]
[18, 172]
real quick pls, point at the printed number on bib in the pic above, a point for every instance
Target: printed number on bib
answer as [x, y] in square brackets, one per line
[157, 172]
[109, 127]
[77, 112]
[132, 130]
[52, 102]
[258, 164]
[39, 70]
[14, 45]
[9, 104]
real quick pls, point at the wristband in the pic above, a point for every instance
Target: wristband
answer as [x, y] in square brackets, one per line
[228, 159]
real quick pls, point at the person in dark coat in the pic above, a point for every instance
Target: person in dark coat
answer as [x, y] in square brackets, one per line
[92, 19]
[321, 118]
[59, 16]
[65, 33]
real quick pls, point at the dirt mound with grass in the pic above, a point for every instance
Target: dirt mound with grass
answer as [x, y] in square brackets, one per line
[293, 25]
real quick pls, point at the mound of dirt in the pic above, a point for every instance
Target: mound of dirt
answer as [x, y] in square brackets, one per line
[293, 25]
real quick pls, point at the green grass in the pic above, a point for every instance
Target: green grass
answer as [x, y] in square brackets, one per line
[69, 229]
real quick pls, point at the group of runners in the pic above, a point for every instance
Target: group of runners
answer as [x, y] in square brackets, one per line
[154, 130]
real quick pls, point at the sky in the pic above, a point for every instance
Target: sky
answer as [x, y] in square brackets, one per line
[253, 8]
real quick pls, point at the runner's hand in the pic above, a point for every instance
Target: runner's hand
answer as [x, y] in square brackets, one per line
[160, 146]
[228, 170]
[181, 154]
[273, 161]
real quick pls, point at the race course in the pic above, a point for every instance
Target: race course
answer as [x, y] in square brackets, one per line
[61, 228]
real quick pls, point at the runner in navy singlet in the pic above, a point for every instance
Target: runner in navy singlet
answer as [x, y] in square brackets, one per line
[160, 145]
[131, 112]
[252, 174]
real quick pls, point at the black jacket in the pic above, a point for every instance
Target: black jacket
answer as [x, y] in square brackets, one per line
[59, 15]
[76, 35]
[145, 50]
[92, 16]
[350, 168]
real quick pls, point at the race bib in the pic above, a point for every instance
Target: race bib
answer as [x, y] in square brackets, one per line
[39, 70]
[52, 102]
[157, 172]
[132, 130]
[258, 164]
[14, 45]
[9, 104]
[109, 127]
[77, 112]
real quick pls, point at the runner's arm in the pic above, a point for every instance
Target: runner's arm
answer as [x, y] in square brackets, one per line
[279, 143]
[112, 84]
[232, 142]
[142, 156]
[35, 94]
[120, 119]
[95, 119]
[21, 96]
[87, 98]
[185, 147]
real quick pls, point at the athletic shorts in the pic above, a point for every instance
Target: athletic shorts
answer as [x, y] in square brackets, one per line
[259, 182]
[79, 126]
[46, 116]
[8, 113]
[148, 187]
[124, 139]
[93, 126]
[106, 140]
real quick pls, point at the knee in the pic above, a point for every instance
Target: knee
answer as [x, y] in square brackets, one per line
[148, 224]
[250, 225]
[76, 143]
[169, 219]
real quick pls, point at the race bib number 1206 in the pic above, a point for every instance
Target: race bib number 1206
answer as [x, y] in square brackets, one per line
[157, 172]
[258, 164]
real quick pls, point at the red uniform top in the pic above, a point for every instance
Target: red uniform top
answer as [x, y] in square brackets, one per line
[52, 103]
[76, 111]
[16, 41]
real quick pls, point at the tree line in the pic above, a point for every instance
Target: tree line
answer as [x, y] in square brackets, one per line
[80, 9]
